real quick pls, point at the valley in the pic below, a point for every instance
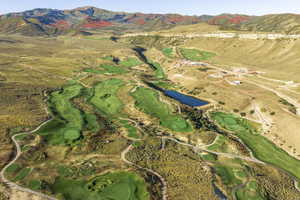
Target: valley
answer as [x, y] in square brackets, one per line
[150, 116]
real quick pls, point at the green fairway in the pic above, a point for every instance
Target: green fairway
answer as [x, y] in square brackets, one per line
[168, 52]
[261, 147]
[130, 62]
[227, 175]
[147, 100]
[219, 144]
[159, 72]
[35, 184]
[91, 122]
[105, 97]
[110, 186]
[68, 122]
[196, 55]
[132, 131]
[106, 69]
[22, 174]
[13, 168]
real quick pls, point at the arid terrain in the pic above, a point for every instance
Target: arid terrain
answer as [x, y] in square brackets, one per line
[177, 114]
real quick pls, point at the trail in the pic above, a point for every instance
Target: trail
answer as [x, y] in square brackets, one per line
[164, 188]
[18, 154]
[229, 155]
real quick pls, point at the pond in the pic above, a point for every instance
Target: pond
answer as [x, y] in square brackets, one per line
[185, 99]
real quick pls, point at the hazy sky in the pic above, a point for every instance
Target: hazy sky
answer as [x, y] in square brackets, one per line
[189, 7]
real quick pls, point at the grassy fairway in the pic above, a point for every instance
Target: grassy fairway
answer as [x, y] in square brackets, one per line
[105, 97]
[262, 148]
[22, 174]
[196, 55]
[168, 52]
[68, 122]
[132, 131]
[110, 186]
[147, 100]
[130, 62]
[106, 69]
[159, 72]
[227, 175]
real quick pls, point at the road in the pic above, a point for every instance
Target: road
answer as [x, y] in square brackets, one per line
[18, 154]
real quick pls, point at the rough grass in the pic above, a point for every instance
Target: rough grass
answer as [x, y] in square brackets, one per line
[68, 121]
[147, 100]
[250, 192]
[196, 55]
[261, 147]
[116, 186]
[105, 97]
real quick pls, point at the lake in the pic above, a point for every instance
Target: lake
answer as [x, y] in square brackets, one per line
[185, 99]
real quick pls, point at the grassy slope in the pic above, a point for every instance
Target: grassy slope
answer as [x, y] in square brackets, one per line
[262, 148]
[68, 122]
[105, 98]
[116, 186]
[147, 100]
[196, 55]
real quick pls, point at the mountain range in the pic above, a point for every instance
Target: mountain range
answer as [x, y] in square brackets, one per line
[51, 22]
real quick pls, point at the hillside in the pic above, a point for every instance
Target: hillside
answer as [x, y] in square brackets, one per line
[281, 23]
[55, 22]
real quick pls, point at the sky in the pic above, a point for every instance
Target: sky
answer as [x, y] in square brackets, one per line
[187, 7]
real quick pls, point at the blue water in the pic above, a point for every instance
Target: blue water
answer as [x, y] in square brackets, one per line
[184, 99]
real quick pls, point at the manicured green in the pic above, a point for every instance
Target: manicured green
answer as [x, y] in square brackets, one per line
[262, 148]
[68, 122]
[250, 192]
[110, 186]
[168, 52]
[105, 97]
[147, 100]
[22, 174]
[196, 55]
[130, 62]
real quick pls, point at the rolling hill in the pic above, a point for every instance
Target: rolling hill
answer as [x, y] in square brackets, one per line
[55, 22]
